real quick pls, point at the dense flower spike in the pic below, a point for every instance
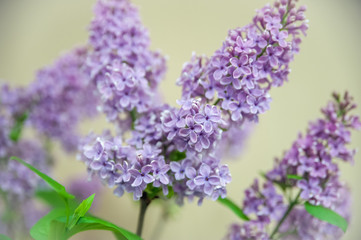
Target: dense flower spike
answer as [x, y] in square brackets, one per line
[251, 60]
[62, 96]
[123, 68]
[312, 163]
[312, 156]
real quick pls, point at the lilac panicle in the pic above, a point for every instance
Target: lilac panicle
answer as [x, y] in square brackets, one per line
[314, 156]
[236, 79]
[251, 60]
[314, 159]
[124, 69]
[61, 97]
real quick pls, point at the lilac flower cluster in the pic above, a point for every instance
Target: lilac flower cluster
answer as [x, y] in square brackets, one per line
[240, 74]
[194, 127]
[53, 105]
[5, 141]
[62, 96]
[17, 180]
[312, 156]
[145, 169]
[312, 160]
[250, 61]
[174, 148]
[300, 225]
[123, 68]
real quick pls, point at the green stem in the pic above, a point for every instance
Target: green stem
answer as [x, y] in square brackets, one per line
[144, 203]
[217, 101]
[288, 211]
[133, 116]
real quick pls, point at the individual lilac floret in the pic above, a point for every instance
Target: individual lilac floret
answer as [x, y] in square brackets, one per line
[121, 65]
[62, 96]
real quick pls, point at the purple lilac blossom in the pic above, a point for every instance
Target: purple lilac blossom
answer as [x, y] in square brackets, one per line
[5, 141]
[250, 61]
[17, 187]
[124, 69]
[62, 96]
[17, 180]
[132, 169]
[314, 158]
[247, 231]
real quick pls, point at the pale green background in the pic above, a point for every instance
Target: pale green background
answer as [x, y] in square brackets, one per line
[33, 33]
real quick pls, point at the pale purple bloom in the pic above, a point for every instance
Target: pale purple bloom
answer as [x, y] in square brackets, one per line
[180, 169]
[142, 176]
[206, 179]
[240, 65]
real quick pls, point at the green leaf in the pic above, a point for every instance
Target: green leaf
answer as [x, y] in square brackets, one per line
[53, 199]
[16, 130]
[177, 155]
[94, 223]
[41, 229]
[60, 189]
[326, 215]
[3, 237]
[234, 208]
[81, 210]
[57, 230]
[292, 176]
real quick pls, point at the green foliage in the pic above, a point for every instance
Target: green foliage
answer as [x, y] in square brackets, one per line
[234, 208]
[58, 224]
[296, 177]
[16, 130]
[53, 227]
[326, 215]
[94, 223]
[41, 229]
[60, 189]
[3, 237]
[81, 210]
[177, 155]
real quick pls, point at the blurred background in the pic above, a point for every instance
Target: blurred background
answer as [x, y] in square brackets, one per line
[34, 33]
